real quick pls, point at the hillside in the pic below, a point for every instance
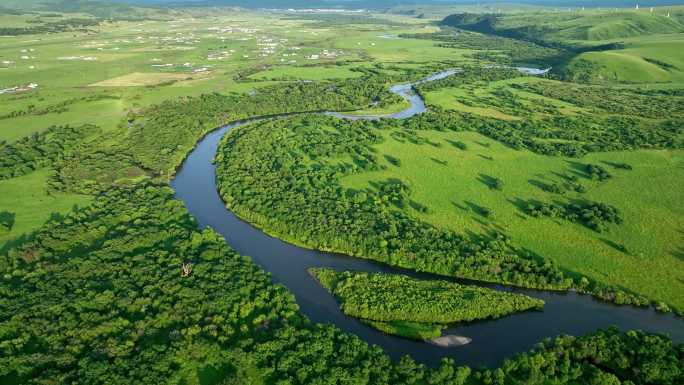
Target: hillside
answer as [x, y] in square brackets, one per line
[580, 28]
[98, 8]
[626, 46]
[649, 59]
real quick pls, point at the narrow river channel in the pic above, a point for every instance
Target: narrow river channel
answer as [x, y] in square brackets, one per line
[492, 341]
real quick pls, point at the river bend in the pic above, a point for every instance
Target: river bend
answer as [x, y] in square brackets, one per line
[492, 340]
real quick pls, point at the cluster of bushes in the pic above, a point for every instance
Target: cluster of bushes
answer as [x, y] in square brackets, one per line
[40, 149]
[569, 184]
[417, 305]
[572, 136]
[590, 214]
[597, 172]
[6, 221]
[89, 170]
[581, 70]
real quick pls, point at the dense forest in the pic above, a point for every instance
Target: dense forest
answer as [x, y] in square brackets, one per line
[127, 290]
[416, 308]
[606, 358]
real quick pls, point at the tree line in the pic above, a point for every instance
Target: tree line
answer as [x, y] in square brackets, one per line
[70, 24]
[491, 48]
[39, 149]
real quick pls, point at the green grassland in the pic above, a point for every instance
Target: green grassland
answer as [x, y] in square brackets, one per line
[646, 59]
[398, 50]
[453, 99]
[27, 199]
[595, 25]
[452, 184]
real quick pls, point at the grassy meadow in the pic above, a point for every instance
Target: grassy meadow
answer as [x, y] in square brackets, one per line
[642, 60]
[26, 199]
[454, 185]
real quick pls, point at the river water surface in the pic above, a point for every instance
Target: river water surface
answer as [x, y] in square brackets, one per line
[492, 340]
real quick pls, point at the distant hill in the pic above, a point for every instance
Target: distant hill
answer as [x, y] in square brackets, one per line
[625, 46]
[105, 9]
[576, 27]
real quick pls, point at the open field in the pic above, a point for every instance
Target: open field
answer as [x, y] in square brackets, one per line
[452, 99]
[645, 59]
[27, 200]
[580, 26]
[453, 184]
[395, 50]
[137, 79]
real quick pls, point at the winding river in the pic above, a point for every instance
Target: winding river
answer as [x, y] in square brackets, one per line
[492, 340]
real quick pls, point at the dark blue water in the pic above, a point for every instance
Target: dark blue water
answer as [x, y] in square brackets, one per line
[492, 341]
